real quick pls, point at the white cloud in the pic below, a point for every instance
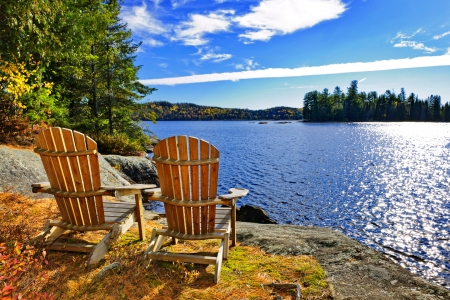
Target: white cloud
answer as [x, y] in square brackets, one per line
[163, 65]
[401, 35]
[215, 57]
[448, 51]
[382, 65]
[279, 17]
[440, 36]
[141, 21]
[192, 32]
[157, 2]
[415, 46]
[152, 42]
[362, 80]
[249, 64]
[178, 3]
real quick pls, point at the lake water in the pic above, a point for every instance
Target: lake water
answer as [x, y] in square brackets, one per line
[383, 184]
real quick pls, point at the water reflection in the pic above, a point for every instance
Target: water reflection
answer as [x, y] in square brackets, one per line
[384, 184]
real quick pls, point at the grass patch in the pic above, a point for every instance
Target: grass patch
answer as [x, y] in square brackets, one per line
[31, 273]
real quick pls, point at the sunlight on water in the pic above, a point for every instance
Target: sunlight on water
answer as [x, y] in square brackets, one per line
[384, 184]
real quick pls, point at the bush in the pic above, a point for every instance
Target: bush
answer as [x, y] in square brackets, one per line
[118, 144]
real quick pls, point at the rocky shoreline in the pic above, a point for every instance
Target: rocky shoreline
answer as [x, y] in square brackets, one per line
[354, 270]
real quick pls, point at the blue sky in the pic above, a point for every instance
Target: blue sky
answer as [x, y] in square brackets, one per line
[263, 53]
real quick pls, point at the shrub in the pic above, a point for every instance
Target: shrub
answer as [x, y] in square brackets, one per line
[118, 144]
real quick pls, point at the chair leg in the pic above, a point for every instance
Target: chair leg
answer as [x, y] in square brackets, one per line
[152, 243]
[99, 251]
[226, 246]
[159, 242]
[140, 216]
[49, 234]
[219, 262]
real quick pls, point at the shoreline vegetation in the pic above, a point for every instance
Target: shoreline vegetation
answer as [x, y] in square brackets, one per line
[166, 111]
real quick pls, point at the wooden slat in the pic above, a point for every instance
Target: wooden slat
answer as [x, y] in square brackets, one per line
[59, 174]
[114, 219]
[196, 259]
[172, 143]
[198, 203]
[70, 226]
[85, 172]
[69, 142]
[214, 173]
[213, 181]
[95, 174]
[183, 150]
[184, 162]
[195, 182]
[48, 167]
[166, 183]
[64, 153]
[58, 179]
[123, 214]
[204, 183]
[185, 236]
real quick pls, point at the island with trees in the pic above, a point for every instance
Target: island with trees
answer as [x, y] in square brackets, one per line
[355, 106]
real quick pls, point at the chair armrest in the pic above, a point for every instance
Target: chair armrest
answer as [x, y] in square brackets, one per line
[126, 190]
[234, 193]
[151, 193]
[66, 194]
[40, 184]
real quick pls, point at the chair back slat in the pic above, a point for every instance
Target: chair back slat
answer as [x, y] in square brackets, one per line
[41, 143]
[195, 183]
[87, 213]
[73, 173]
[191, 175]
[160, 149]
[185, 184]
[172, 145]
[95, 175]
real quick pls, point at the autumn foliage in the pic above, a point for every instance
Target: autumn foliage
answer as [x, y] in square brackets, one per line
[29, 272]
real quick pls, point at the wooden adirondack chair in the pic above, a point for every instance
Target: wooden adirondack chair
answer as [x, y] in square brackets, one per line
[71, 162]
[188, 170]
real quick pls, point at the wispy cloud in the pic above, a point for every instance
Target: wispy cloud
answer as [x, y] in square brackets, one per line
[163, 65]
[402, 40]
[382, 65]
[192, 32]
[279, 17]
[401, 35]
[248, 64]
[215, 57]
[415, 46]
[440, 36]
[178, 3]
[362, 80]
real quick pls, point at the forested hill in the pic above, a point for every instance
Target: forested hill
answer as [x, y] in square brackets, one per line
[166, 111]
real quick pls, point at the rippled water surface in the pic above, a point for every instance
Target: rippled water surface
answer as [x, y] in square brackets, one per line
[384, 184]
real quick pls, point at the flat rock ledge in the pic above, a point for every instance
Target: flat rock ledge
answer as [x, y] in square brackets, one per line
[354, 270]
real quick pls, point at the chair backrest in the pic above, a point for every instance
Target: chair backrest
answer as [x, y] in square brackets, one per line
[188, 169]
[70, 160]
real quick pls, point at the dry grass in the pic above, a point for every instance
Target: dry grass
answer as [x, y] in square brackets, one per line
[65, 275]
